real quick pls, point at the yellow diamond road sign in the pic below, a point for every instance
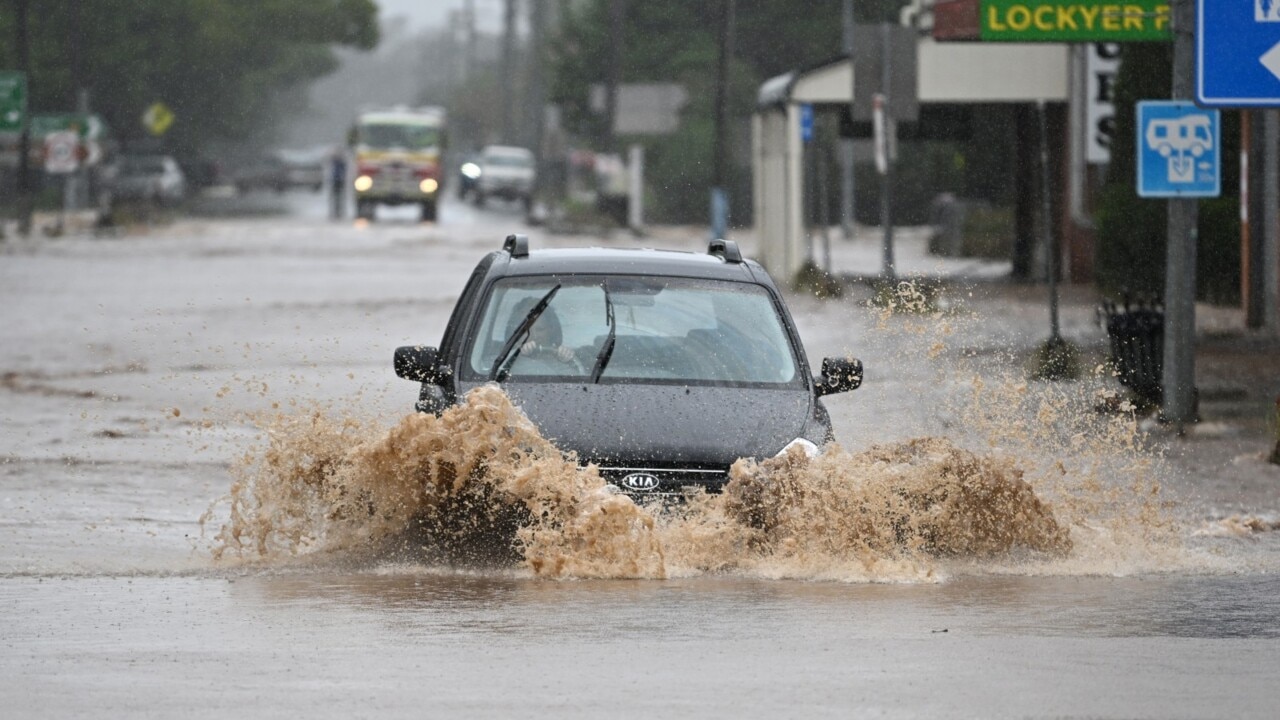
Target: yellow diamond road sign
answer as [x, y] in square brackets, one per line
[157, 118]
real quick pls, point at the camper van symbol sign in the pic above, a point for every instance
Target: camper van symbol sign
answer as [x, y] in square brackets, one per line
[1178, 150]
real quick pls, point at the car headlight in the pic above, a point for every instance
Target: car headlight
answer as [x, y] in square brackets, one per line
[428, 186]
[810, 449]
[471, 170]
[364, 182]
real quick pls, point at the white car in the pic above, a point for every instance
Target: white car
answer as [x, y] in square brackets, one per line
[154, 178]
[505, 172]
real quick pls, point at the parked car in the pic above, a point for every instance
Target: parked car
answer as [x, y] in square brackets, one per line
[264, 172]
[660, 367]
[152, 178]
[305, 169]
[505, 172]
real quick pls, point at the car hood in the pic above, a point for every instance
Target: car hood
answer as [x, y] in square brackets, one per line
[664, 425]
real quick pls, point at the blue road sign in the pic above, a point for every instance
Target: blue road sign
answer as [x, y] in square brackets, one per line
[1238, 53]
[806, 121]
[1178, 150]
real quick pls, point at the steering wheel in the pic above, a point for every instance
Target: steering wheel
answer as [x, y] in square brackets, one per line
[547, 356]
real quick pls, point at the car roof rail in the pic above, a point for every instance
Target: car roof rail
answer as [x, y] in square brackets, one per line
[517, 245]
[726, 249]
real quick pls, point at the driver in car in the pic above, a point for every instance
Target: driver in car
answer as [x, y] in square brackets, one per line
[545, 335]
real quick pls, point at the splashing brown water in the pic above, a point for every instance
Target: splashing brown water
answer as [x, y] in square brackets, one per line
[480, 483]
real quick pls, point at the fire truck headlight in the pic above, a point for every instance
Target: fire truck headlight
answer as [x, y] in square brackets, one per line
[428, 186]
[364, 182]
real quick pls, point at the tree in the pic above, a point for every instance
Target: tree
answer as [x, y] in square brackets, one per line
[222, 66]
[676, 41]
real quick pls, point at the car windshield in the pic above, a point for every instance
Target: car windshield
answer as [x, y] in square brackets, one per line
[667, 330]
[408, 136]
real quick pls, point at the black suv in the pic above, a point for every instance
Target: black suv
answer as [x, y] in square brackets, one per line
[661, 367]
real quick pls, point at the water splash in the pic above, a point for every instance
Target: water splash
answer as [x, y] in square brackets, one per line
[479, 484]
[476, 483]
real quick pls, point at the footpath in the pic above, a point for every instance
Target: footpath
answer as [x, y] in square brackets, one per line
[1223, 459]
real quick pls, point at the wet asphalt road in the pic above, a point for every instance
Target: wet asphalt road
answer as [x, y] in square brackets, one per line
[130, 365]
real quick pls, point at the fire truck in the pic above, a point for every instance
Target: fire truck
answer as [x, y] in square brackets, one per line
[398, 157]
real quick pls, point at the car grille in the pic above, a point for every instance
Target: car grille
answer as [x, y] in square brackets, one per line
[650, 481]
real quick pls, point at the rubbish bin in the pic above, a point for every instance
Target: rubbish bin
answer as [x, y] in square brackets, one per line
[1136, 331]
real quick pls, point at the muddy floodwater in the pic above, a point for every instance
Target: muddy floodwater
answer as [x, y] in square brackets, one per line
[215, 502]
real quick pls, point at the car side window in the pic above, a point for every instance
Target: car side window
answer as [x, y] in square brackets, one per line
[575, 318]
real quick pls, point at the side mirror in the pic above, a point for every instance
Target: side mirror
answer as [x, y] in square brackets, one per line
[839, 375]
[420, 364]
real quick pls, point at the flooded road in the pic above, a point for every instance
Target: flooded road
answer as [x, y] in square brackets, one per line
[404, 643]
[139, 373]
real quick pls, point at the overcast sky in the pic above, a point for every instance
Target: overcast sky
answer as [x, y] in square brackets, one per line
[427, 13]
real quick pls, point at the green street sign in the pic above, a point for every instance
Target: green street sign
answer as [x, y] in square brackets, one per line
[13, 100]
[1074, 20]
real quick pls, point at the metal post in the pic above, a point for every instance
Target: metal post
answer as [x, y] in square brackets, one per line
[508, 72]
[824, 212]
[25, 201]
[635, 189]
[846, 144]
[719, 190]
[1271, 224]
[1178, 380]
[1246, 240]
[1048, 237]
[810, 196]
[886, 179]
[613, 72]
[535, 109]
[469, 13]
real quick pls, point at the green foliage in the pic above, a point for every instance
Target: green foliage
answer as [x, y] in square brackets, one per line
[677, 41]
[1132, 237]
[1218, 252]
[988, 232]
[1130, 253]
[1055, 359]
[222, 66]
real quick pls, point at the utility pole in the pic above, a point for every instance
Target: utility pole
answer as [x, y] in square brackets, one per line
[613, 73]
[536, 97]
[846, 144]
[720, 192]
[24, 136]
[534, 110]
[1178, 381]
[508, 72]
[469, 67]
[78, 191]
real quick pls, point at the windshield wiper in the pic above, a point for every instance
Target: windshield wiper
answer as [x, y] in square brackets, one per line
[502, 365]
[606, 350]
